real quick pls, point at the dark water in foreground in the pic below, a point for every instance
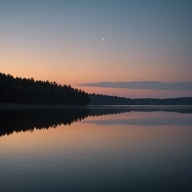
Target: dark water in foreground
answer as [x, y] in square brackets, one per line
[96, 150]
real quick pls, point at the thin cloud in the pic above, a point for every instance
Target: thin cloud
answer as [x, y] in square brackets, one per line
[149, 85]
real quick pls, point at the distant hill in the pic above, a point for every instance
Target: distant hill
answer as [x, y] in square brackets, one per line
[98, 99]
[28, 91]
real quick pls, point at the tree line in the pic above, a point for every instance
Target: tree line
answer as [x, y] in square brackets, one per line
[29, 91]
[99, 99]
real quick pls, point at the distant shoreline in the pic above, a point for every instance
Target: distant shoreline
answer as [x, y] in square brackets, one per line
[49, 106]
[98, 99]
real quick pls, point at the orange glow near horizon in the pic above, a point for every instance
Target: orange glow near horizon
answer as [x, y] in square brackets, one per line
[66, 79]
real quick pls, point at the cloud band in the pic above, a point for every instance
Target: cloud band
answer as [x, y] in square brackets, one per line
[149, 85]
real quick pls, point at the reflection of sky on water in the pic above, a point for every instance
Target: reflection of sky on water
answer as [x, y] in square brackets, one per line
[145, 116]
[34, 118]
[88, 156]
[144, 122]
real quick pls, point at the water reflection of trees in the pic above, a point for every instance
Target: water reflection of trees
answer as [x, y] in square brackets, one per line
[30, 119]
[16, 120]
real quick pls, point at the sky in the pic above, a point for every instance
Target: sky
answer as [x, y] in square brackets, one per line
[100, 45]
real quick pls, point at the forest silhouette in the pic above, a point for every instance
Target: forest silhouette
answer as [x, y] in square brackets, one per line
[28, 91]
[34, 92]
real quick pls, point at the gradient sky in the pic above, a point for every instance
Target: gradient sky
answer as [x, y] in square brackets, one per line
[61, 40]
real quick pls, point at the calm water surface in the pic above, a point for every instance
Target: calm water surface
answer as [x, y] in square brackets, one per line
[98, 150]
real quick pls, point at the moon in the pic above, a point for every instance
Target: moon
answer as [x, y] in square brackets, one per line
[102, 38]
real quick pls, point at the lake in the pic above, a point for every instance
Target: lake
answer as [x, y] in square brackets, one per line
[96, 149]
